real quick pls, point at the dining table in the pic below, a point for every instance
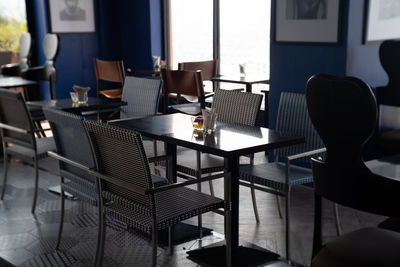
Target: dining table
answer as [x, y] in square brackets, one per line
[7, 81]
[229, 141]
[247, 80]
[66, 104]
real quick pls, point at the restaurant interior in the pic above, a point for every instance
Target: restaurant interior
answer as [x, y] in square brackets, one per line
[199, 133]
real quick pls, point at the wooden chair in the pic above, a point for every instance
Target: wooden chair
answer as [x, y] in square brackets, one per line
[209, 68]
[109, 71]
[18, 136]
[344, 113]
[178, 83]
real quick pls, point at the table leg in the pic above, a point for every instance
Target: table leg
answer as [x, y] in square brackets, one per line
[232, 199]
[235, 255]
[248, 88]
[170, 150]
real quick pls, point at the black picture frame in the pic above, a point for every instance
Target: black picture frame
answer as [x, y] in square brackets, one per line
[381, 21]
[76, 19]
[293, 27]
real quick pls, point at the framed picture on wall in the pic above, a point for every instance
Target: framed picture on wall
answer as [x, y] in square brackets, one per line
[307, 21]
[382, 20]
[71, 16]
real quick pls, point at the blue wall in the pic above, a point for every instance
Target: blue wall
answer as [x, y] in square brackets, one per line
[125, 29]
[362, 60]
[293, 65]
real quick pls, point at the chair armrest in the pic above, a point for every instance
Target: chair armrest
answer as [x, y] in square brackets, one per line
[159, 158]
[109, 179]
[306, 154]
[14, 129]
[209, 95]
[129, 186]
[190, 182]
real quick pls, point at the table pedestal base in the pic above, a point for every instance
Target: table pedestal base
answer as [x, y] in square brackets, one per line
[248, 255]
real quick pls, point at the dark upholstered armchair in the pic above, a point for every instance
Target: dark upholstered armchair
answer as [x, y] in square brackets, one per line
[344, 113]
[388, 98]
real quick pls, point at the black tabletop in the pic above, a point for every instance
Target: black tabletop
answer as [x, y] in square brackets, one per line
[387, 166]
[67, 105]
[241, 79]
[11, 81]
[227, 140]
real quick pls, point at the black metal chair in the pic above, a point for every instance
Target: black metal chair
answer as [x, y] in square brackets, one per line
[388, 98]
[231, 107]
[126, 186]
[18, 136]
[278, 177]
[344, 113]
[73, 144]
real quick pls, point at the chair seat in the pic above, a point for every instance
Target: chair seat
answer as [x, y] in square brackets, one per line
[158, 181]
[209, 163]
[85, 193]
[43, 145]
[273, 175]
[190, 108]
[173, 206]
[363, 247]
[112, 93]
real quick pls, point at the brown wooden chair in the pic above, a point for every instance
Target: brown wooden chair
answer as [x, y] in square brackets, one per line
[209, 68]
[189, 84]
[109, 71]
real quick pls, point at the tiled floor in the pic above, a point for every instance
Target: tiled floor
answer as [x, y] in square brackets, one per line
[29, 240]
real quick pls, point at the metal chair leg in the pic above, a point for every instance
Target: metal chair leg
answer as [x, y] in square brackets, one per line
[198, 163]
[5, 170]
[278, 203]
[287, 226]
[253, 199]
[170, 244]
[210, 183]
[102, 226]
[337, 219]
[60, 227]
[154, 245]
[36, 185]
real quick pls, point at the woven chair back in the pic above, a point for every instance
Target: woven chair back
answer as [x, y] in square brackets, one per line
[293, 119]
[237, 107]
[120, 155]
[71, 141]
[142, 96]
[13, 112]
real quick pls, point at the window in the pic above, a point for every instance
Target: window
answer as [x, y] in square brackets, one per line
[12, 23]
[242, 37]
[191, 27]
